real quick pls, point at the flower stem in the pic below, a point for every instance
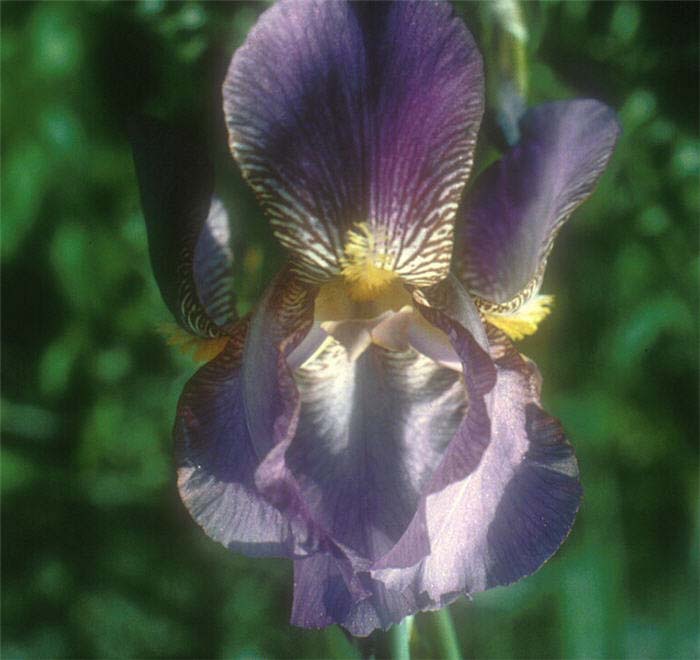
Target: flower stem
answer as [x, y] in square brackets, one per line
[401, 639]
[447, 635]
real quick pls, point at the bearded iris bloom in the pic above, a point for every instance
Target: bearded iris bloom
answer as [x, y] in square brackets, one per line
[371, 419]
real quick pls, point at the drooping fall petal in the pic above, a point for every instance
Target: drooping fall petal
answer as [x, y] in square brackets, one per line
[325, 594]
[346, 113]
[510, 514]
[375, 437]
[370, 434]
[232, 413]
[216, 462]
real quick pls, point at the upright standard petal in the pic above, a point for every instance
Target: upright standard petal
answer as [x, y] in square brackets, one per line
[506, 229]
[188, 228]
[232, 414]
[357, 122]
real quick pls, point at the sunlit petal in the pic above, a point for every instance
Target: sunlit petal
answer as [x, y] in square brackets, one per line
[511, 513]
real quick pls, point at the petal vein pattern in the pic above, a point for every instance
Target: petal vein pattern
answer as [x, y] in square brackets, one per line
[343, 113]
[188, 228]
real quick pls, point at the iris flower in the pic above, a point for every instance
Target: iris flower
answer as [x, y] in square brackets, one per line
[371, 418]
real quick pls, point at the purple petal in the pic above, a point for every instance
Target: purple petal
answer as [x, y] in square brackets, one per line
[370, 434]
[188, 229]
[370, 437]
[509, 515]
[216, 462]
[212, 266]
[473, 435]
[324, 594]
[539, 504]
[506, 230]
[344, 113]
[232, 414]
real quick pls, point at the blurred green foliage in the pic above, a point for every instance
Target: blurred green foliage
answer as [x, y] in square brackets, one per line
[101, 560]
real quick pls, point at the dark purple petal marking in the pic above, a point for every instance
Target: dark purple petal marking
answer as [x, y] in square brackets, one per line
[538, 505]
[324, 593]
[507, 228]
[344, 113]
[188, 230]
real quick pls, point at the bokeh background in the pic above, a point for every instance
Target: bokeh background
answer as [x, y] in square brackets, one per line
[99, 559]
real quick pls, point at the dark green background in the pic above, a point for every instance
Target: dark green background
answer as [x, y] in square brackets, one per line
[99, 559]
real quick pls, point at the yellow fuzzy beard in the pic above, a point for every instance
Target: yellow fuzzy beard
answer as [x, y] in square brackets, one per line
[201, 350]
[523, 321]
[364, 267]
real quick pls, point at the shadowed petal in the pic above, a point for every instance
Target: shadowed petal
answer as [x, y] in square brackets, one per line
[188, 229]
[372, 432]
[474, 433]
[212, 266]
[507, 228]
[374, 437]
[343, 113]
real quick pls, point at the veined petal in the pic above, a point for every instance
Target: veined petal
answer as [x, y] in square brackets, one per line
[358, 115]
[507, 228]
[232, 415]
[371, 432]
[474, 433]
[510, 514]
[216, 462]
[188, 228]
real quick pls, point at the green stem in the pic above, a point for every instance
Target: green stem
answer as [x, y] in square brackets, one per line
[447, 635]
[401, 639]
[512, 46]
